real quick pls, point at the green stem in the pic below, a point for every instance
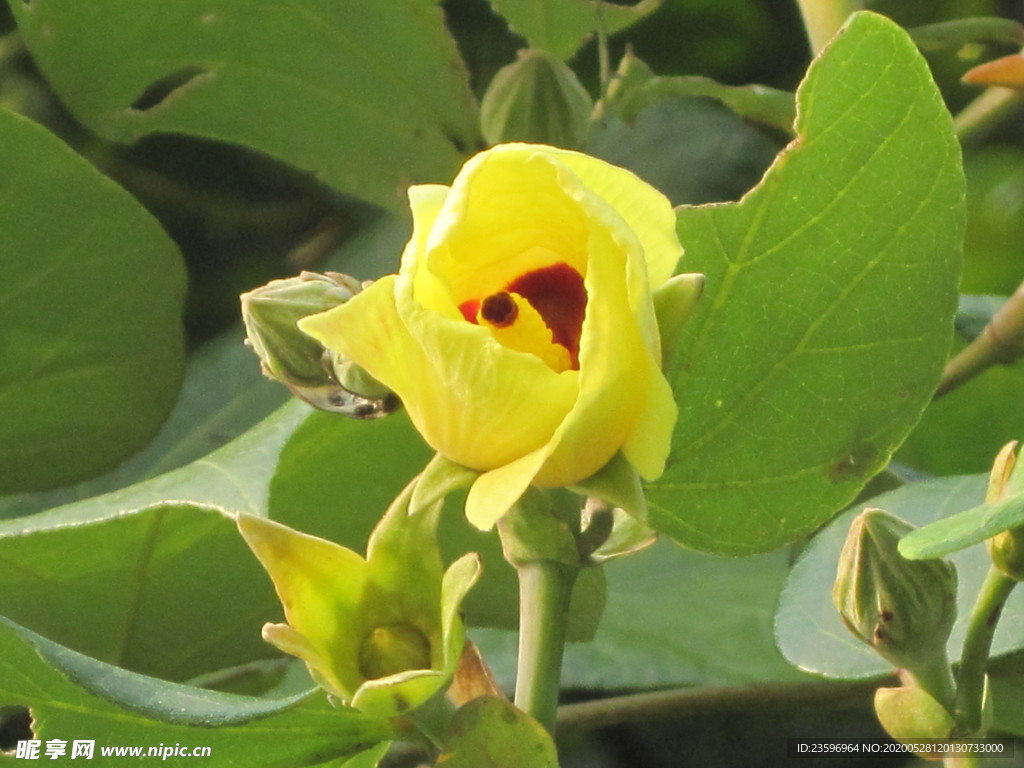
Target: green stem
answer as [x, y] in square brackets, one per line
[977, 645]
[936, 679]
[545, 591]
[992, 107]
[1000, 342]
[707, 700]
[823, 18]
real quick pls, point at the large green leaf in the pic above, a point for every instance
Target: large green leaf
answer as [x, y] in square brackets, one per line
[563, 27]
[67, 695]
[369, 96]
[123, 576]
[91, 291]
[148, 559]
[830, 295]
[170, 591]
[808, 628]
[223, 394]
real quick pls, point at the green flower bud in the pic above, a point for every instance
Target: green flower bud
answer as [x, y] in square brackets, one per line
[1007, 552]
[904, 609]
[536, 98]
[298, 361]
[391, 649]
[1006, 549]
[911, 714]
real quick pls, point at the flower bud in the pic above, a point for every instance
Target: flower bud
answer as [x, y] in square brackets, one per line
[1006, 549]
[536, 98]
[904, 609]
[298, 361]
[912, 716]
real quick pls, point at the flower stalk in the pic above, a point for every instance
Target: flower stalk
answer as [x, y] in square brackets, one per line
[545, 593]
[977, 645]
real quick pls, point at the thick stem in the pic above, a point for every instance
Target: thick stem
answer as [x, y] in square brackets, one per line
[992, 107]
[977, 645]
[937, 680]
[700, 701]
[1001, 341]
[545, 591]
[823, 18]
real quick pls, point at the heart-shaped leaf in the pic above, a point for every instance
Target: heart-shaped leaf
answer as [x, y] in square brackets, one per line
[828, 306]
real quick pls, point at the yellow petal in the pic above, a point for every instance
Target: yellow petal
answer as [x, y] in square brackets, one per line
[617, 376]
[647, 212]
[507, 214]
[426, 201]
[494, 492]
[368, 330]
[647, 448]
[490, 405]
[475, 401]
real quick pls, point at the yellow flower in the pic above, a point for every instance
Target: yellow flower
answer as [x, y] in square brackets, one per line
[520, 330]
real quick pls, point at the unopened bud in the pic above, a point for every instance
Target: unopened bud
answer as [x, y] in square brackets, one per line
[904, 609]
[912, 715]
[298, 361]
[391, 649]
[536, 98]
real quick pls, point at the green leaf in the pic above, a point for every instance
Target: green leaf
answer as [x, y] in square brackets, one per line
[369, 96]
[170, 591]
[828, 305]
[972, 526]
[90, 312]
[224, 394]
[721, 158]
[491, 733]
[147, 567]
[672, 617]
[563, 27]
[61, 688]
[955, 34]
[768, 106]
[808, 628]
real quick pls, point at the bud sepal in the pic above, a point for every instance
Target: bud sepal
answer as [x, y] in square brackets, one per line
[382, 634]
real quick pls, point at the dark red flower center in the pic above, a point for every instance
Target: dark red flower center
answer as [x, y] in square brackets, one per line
[556, 292]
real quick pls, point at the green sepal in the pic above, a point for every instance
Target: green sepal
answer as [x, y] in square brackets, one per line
[625, 534]
[336, 603]
[674, 303]
[618, 484]
[536, 98]
[540, 527]
[439, 478]
[910, 713]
